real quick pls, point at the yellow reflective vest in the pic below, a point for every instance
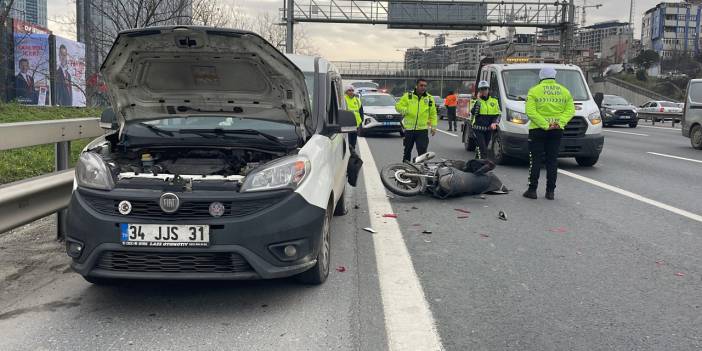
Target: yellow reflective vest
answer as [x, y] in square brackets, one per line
[549, 102]
[354, 104]
[418, 112]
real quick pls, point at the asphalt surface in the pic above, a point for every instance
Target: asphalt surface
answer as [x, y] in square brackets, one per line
[592, 270]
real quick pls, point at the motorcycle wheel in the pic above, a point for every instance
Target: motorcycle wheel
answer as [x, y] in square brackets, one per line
[393, 180]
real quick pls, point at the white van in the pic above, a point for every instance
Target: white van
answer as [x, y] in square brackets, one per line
[510, 84]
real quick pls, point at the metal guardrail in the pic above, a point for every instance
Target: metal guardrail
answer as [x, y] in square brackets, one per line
[654, 117]
[30, 199]
[639, 90]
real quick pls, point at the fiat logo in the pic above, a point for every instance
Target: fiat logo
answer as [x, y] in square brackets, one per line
[125, 207]
[169, 202]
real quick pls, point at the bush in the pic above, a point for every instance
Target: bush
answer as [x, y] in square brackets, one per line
[641, 75]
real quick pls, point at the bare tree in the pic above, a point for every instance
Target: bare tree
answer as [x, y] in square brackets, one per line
[269, 27]
[213, 13]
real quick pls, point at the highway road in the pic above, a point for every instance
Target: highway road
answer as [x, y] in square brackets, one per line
[612, 264]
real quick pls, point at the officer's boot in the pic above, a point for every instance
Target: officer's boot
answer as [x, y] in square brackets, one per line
[530, 194]
[550, 194]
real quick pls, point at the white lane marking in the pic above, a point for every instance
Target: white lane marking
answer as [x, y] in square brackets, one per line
[664, 128]
[445, 132]
[409, 323]
[676, 157]
[690, 215]
[616, 131]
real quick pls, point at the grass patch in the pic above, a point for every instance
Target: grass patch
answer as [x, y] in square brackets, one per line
[660, 86]
[33, 161]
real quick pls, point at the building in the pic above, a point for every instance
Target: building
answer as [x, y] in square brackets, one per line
[672, 28]
[591, 37]
[414, 58]
[466, 53]
[523, 47]
[32, 11]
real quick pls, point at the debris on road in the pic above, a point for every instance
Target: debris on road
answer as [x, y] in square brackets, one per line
[370, 230]
[356, 207]
[341, 269]
[426, 231]
[463, 217]
[416, 225]
[415, 207]
[390, 215]
[560, 230]
[484, 236]
[461, 210]
[680, 274]
[578, 253]
[502, 215]
[660, 262]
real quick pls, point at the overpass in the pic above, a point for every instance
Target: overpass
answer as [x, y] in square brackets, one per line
[396, 71]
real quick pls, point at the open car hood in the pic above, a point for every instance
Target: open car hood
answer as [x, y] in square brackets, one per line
[161, 72]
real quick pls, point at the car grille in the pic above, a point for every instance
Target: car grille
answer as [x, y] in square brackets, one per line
[575, 128]
[385, 118]
[173, 262]
[625, 113]
[150, 209]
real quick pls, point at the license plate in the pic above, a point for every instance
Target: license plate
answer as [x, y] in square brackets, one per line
[624, 117]
[391, 123]
[165, 235]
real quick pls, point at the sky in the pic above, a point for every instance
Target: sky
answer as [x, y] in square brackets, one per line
[357, 42]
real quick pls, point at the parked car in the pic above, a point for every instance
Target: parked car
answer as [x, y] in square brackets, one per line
[363, 86]
[441, 111]
[692, 116]
[661, 110]
[380, 115]
[510, 84]
[204, 176]
[616, 110]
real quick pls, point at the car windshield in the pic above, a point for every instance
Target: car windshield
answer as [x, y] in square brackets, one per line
[309, 82]
[176, 124]
[365, 85]
[615, 100]
[668, 104]
[519, 81]
[377, 100]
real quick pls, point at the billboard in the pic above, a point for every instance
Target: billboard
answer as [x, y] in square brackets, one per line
[437, 15]
[31, 59]
[69, 73]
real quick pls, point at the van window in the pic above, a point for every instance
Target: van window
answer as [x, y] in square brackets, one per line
[517, 83]
[696, 92]
[494, 86]
[333, 105]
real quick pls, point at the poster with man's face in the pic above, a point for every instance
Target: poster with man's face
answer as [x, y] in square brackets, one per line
[69, 80]
[32, 69]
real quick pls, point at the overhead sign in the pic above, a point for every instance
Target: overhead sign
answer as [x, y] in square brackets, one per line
[437, 15]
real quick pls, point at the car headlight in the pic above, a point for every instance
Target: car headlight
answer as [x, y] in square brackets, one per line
[92, 172]
[595, 118]
[517, 117]
[288, 172]
[611, 111]
[371, 115]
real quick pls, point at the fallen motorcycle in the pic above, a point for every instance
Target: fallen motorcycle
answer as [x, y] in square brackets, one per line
[441, 179]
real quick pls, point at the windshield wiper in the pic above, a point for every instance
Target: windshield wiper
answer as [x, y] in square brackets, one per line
[221, 132]
[156, 130]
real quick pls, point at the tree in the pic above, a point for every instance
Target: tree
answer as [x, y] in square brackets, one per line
[647, 58]
[217, 14]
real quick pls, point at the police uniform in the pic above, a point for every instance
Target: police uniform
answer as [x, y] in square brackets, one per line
[549, 107]
[419, 114]
[354, 104]
[485, 112]
[450, 102]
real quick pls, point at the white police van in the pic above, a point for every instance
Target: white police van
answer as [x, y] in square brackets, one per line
[510, 84]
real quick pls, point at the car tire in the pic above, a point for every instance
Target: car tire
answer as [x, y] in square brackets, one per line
[633, 125]
[497, 151]
[99, 280]
[341, 209]
[318, 274]
[587, 161]
[696, 137]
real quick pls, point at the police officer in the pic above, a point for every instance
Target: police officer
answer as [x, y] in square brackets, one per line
[486, 115]
[353, 103]
[419, 116]
[549, 107]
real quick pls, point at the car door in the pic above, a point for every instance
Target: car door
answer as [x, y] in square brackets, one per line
[339, 143]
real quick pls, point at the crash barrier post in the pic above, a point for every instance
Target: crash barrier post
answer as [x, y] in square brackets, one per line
[654, 117]
[27, 200]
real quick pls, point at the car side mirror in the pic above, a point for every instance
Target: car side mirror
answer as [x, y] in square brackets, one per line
[347, 121]
[108, 119]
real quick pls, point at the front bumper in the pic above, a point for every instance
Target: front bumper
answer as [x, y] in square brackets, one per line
[590, 145]
[372, 125]
[620, 119]
[240, 246]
